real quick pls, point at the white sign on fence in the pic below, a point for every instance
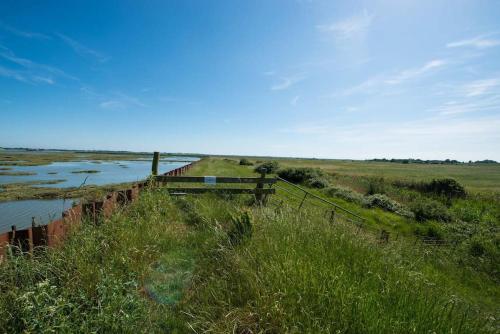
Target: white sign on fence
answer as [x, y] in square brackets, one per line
[211, 180]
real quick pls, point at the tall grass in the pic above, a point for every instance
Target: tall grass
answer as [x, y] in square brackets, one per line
[172, 265]
[300, 274]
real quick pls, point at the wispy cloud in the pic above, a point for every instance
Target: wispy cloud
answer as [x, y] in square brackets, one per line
[478, 42]
[112, 105]
[83, 50]
[295, 100]
[481, 87]
[21, 33]
[380, 81]
[287, 82]
[46, 80]
[310, 129]
[350, 27]
[35, 70]
[428, 138]
[471, 97]
[415, 72]
[113, 100]
[13, 74]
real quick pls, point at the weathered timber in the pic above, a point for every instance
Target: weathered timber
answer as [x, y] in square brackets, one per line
[221, 190]
[156, 159]
[218, 179]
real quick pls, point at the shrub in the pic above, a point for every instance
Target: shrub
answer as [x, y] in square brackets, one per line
[386, 203]
[245, 162]
[300, 175]
[428, 209]
[429, 232]
[376, 186]
[448, 188]
[267, 167]
[476, 248]
[345, 194]
[317, 182]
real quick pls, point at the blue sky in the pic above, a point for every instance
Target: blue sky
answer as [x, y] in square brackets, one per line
[333, 79]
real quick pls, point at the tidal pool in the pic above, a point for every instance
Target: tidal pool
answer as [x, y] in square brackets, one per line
[20, 213]
[108, 172]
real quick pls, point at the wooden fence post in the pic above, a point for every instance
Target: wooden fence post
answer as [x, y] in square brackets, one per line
[156, 159]
[260, 185]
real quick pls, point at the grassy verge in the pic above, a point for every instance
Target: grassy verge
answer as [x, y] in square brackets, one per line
[214, 264]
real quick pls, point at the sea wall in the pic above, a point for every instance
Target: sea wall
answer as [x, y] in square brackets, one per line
[55, 232]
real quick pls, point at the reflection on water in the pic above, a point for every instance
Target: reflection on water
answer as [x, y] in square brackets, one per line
[109, 172]
[20, 213]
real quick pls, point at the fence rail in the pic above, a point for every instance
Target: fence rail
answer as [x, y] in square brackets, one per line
[332, 208]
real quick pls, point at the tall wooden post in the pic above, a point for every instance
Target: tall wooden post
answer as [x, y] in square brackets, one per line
[156, 159]
[260, 185]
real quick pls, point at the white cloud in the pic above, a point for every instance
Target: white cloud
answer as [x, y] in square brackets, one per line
[112, 105]
[13, 74]
[430, 138]
[46, 80]
[474, 96]
[35, 70]
[481, 87]
[82, 50]
[25, 34]
[380, 81]
[349, 28]
[478, 42]
[114, 101]
[311, 129]
[287, 82]
[415, 72]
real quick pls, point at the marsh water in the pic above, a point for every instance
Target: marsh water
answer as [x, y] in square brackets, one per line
[70, 174]
[21, 213]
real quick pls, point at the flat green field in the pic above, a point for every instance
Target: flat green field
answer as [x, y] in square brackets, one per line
[476, 177]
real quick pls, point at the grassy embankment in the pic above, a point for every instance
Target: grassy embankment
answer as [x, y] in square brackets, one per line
[191, 265]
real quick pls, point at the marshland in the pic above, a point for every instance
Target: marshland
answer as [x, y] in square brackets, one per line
[222, 263]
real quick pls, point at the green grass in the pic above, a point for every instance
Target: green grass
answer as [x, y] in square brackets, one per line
[476, 177]
[297, 273]
[167, 265]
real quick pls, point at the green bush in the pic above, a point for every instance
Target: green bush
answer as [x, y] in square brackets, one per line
[268, 167]
[376, 186]
[448, 188]
[386, 203]
[300, 175]
[476, 248]
[345, 194]
[428, 209]
[317, 182]
[429, 232]
[245, 162]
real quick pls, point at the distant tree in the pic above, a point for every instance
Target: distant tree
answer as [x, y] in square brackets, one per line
[245, 162]
[267, 167]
